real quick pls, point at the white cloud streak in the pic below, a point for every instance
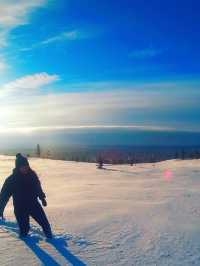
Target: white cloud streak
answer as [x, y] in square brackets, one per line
[29, 82]
[3, 65]
[73, 35]
[64, 36]
[14, 13]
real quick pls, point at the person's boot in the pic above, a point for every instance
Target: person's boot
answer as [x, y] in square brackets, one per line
[48, 233]
[23, 235]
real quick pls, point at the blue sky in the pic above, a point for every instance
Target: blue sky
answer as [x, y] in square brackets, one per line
[86, 63]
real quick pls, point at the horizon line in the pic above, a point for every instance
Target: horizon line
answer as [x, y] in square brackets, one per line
[27, 130]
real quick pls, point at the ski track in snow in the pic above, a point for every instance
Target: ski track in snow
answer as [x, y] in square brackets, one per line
[120, 215]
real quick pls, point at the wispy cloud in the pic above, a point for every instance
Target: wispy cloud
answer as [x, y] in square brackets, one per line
[73, 35]
[35, 81]
[65, 36]
[3, 65]
[146, 53]
[15, 13]
[3, 38]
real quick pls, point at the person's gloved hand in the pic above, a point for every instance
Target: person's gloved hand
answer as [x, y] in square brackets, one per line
[44, 202]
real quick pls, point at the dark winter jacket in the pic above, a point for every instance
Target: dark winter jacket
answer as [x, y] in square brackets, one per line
[25, 190]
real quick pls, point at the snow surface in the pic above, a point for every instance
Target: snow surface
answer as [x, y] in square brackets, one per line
[121, 215]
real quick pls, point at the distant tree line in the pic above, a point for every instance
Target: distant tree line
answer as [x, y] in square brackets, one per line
[117, 155]
[134, 158]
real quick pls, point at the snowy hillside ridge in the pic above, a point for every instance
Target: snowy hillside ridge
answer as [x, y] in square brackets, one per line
[121, 215]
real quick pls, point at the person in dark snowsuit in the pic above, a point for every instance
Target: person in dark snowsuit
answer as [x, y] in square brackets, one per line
[25, 188]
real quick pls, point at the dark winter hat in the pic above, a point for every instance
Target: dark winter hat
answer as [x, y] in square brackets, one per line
[21, 161]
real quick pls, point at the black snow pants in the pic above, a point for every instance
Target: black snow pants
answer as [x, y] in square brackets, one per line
[35, 211]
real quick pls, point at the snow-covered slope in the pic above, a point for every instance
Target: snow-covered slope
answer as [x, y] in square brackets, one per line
[121, 215]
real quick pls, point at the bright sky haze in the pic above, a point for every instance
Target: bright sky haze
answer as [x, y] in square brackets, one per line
[99, 64]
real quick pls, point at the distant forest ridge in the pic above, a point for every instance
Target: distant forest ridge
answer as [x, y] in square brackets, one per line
[111, 154]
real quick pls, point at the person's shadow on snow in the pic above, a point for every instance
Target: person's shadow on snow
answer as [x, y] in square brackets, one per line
[59, 244]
